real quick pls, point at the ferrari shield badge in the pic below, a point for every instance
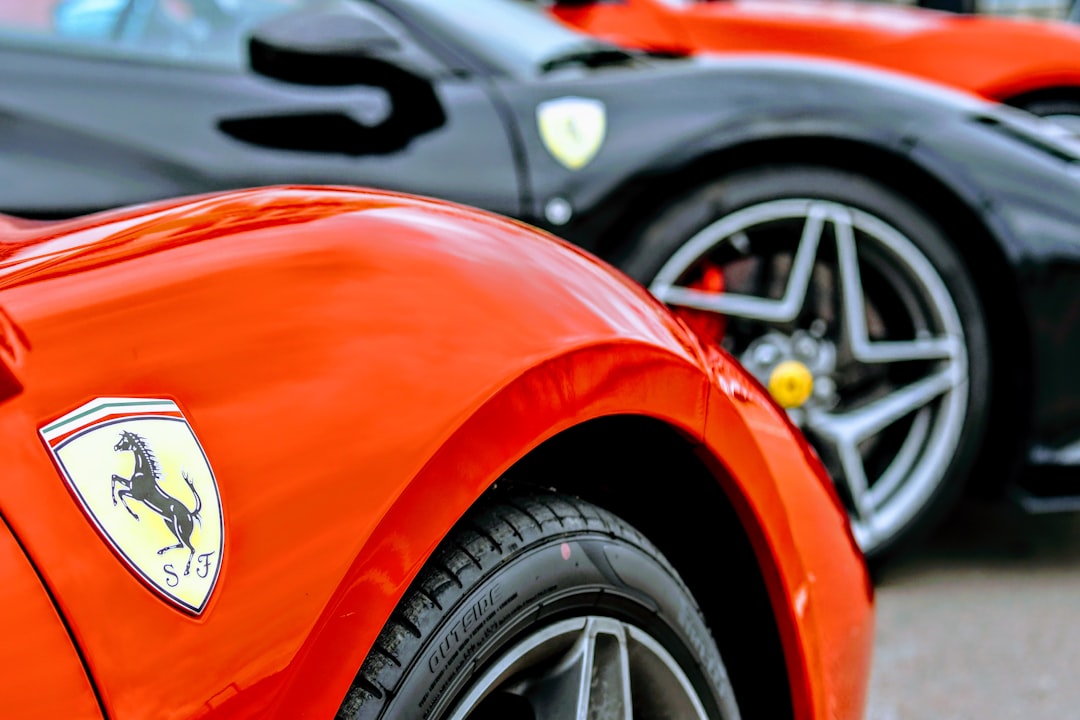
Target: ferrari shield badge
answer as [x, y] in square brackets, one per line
[141, 476]
[572, 129]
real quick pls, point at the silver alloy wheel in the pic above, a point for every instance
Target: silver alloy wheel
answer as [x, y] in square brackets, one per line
[901, 368]
[588, 667]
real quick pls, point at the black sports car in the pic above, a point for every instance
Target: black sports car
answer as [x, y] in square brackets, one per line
[897, 262]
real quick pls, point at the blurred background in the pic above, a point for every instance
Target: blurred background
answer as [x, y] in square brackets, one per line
[980, 622]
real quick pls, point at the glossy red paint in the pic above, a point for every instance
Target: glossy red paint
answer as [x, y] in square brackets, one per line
[998, 58]
[43, 676]
[359, 367]
[795, 521]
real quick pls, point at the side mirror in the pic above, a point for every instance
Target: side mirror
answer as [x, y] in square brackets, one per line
[343, 44]
[337, 44]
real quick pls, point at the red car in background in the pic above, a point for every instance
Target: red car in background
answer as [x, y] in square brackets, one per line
[1031, 64]
[304, 453]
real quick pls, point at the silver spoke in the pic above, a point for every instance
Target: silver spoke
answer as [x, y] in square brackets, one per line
[853, 478]
[851, 291]
[943, 348]
[905, 460]
[585, 669]
[787, 308]
[564, 691]
[854, 308]
[864, 422]
[609, 686]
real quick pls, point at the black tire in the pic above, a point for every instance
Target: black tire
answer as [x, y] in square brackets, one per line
[715, 206]
[513, 570]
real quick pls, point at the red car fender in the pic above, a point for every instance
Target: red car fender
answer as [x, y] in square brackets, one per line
[809, 567]
[592, 382]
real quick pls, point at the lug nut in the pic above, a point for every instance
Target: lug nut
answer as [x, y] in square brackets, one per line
[806, 346]
[766, 355]
[824, 388]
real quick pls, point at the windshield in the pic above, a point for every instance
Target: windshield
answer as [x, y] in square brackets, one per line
[517, 36]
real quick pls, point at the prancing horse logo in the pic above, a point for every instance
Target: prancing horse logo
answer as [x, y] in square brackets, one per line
[143, 486]
[572, 129]
[142, 478]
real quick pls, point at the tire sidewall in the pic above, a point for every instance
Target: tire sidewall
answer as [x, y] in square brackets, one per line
[570, 576]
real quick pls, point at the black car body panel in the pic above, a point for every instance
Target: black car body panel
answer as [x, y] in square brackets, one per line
[88, 133]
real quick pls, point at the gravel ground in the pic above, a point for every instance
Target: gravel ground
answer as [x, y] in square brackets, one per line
[983, 622]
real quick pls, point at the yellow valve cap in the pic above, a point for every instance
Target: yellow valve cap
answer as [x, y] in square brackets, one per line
[791, 383]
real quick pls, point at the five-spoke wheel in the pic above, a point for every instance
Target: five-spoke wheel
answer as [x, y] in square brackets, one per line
[585, 667]
[857, 314]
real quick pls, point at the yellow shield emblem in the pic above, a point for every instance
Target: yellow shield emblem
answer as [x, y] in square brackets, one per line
[143, 479]
[572, 129]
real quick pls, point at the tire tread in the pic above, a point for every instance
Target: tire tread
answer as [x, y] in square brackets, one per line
[486, 537]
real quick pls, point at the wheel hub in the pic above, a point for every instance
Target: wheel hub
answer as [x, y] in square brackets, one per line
[797, 368]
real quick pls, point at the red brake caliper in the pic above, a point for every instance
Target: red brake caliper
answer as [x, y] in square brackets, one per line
[708, 325]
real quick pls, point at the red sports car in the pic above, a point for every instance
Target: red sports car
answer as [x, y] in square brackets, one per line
[306, 453]
[1031, 64]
